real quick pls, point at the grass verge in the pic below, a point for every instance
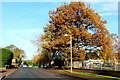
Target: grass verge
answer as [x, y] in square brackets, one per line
[92, 74]
[107, 68]
[3, 68]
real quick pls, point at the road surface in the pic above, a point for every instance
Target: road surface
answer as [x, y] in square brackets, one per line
[27, 73]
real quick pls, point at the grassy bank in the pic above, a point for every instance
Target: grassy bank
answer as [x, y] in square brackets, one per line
[2, 68]
[92, 74]
[107, 68]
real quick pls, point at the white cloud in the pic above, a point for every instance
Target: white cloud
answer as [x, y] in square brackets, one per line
[22, 35]
[99, 0]
[108, 7]
[22, 39]
[108, 14]
[24, 31]
[30, 20]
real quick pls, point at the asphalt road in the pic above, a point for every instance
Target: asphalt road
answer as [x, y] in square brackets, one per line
[36, 74]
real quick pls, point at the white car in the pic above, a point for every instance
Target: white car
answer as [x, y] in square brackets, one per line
[24, 65]
[30, 65]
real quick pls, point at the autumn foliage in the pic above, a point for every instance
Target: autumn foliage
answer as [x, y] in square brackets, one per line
[18, 53]
[89, 34]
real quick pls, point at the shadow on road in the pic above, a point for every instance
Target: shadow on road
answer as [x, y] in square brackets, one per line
[70, 77]
[2, 71]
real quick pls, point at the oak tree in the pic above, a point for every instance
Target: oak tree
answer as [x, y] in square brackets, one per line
[89, 34]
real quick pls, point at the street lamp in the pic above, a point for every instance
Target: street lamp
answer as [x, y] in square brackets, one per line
[70, 49]
[115, 64]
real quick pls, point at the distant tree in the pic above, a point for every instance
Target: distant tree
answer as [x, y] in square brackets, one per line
[25, 63]
[44, 57]
[116, 47]
[18, 53]
[37, 59]
[119, 51]
[86, 27]
[29, 62]
[7, 56]
[115, 43]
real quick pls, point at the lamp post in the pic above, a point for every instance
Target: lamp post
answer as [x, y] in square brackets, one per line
[115, 64]
[70, 49]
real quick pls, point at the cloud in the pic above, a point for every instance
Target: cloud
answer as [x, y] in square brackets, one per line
[108, 14]
[108, 7]
[30, 20]
[24, 31]
[105, 9]
[21, 36]
[22, 39]
[98, 0]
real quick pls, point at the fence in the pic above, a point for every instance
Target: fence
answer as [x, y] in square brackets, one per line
[96, 65]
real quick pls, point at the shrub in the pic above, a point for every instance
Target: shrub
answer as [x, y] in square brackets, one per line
[7, 56]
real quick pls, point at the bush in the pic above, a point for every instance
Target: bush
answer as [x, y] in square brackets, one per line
[7, 56]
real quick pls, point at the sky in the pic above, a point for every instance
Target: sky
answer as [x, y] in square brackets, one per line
[23, 22]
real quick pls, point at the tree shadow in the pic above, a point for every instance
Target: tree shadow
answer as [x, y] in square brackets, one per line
[70, 77]
[2, 71]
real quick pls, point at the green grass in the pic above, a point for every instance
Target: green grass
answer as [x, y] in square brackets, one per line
[3, 68]
[35, 67]
[107, 68]
[92, 74]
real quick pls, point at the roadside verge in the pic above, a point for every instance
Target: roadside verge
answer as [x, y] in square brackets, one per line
[76, 75]
[95, 75]
[6, 73]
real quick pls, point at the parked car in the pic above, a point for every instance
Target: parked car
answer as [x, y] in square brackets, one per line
[30, 66]
[24, 65]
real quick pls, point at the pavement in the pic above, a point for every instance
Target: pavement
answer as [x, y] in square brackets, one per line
[4, 73]
[1, 77]
[27, 73]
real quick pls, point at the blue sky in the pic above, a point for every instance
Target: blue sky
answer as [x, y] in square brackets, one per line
[24, 21]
